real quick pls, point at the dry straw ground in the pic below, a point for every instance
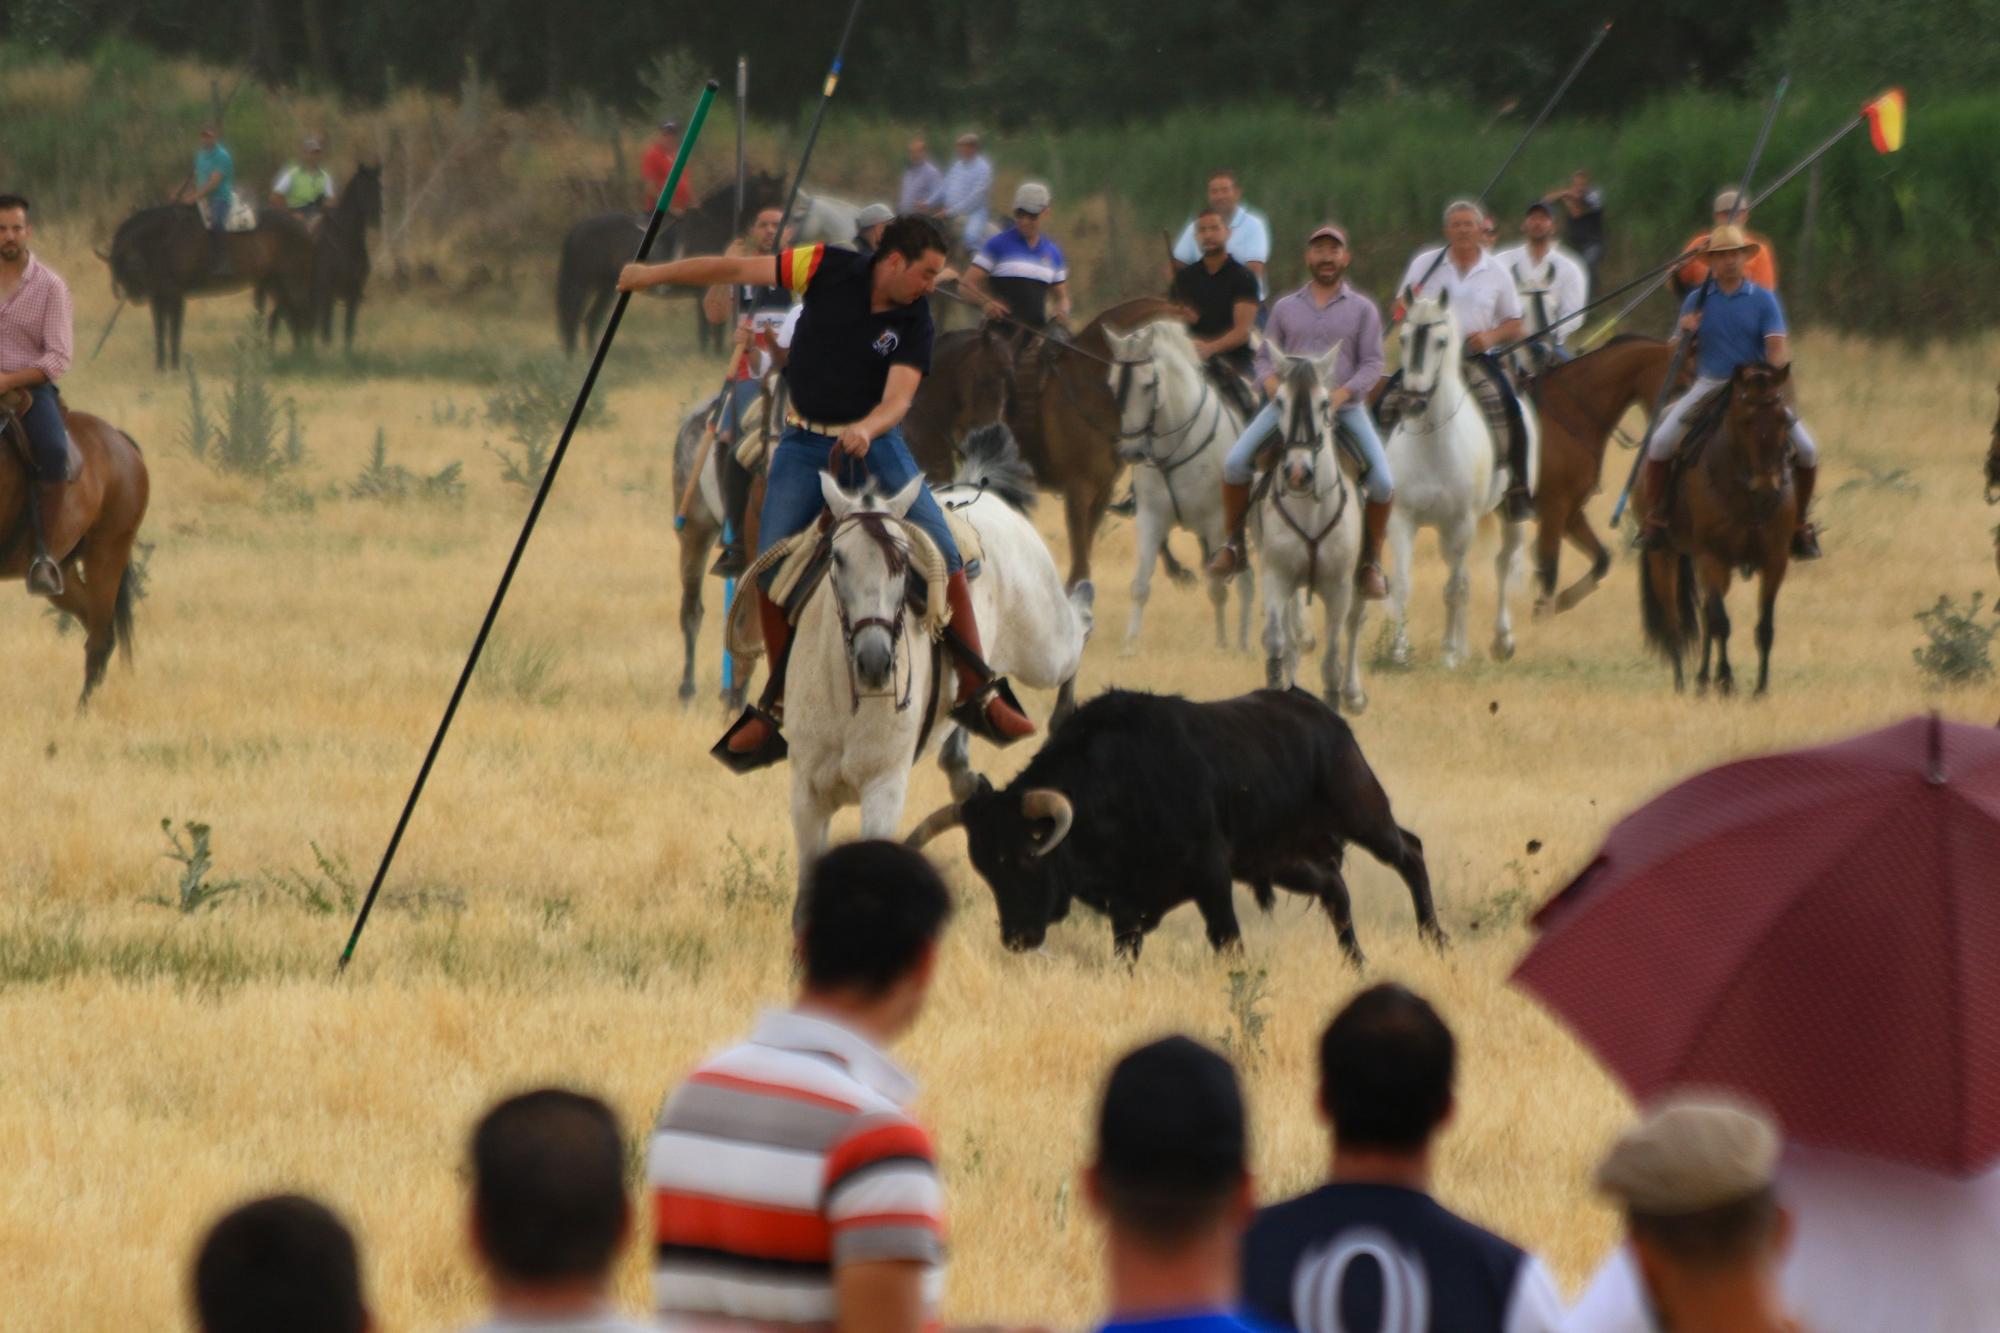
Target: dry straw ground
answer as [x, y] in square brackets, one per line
[586, 897]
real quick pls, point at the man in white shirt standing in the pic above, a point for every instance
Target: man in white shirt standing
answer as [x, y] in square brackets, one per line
[1551, 283]
[1249, 231]
[1487, 310]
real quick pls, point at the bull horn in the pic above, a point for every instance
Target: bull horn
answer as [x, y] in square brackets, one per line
[1047, 803]
[943, 818]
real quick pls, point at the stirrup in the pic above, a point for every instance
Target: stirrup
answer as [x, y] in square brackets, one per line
[1805, 543]
[730, 562]
[770, 752]
[970, 712]
[1238, 558]
[1654, 535]
[1518, 504]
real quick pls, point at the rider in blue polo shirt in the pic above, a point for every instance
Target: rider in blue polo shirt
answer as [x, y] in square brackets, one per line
[861, 347]
[1741, 324]
[1020, 271]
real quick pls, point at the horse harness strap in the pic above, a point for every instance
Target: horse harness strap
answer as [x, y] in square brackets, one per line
[1312, 540]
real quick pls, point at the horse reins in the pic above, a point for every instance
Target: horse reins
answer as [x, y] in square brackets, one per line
[1168, 466]
[1322, 444]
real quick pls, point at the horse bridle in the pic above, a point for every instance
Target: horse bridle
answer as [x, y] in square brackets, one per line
[875, 523]
[1150, 430]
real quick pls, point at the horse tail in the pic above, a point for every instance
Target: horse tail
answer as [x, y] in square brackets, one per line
[121, 614]
[992, 461]
[1667, 639]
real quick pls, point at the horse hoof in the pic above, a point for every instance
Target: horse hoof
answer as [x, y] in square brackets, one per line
[1503, 648]
[1544, 608]
[1449, 660]
[1725, 687]
[1130, 648]
[1399, 654]
[1355, 703]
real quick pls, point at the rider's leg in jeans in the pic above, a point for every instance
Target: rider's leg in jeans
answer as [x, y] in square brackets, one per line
[1805, 473]
[48, 441]
[219, 204]
[1380, 488]
[890, 463]
[792, 500]
[1239, 469]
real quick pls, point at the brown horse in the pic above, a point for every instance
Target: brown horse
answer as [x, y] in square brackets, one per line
[1734, 506]
[90, 534]
[1057, 403]
[160, 257]
[1580, 403]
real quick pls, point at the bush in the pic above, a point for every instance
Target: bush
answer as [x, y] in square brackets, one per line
[533, 406]
[1960, 647]
[256, 434]
[393, 483]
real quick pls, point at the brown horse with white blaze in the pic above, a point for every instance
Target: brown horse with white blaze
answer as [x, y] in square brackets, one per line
[1735, 506]
[1580, 404]
[89, 532]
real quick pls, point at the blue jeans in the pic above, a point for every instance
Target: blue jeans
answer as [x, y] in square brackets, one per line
[48, 441]
[219, 204]
[1239, 467]
[792, 498]
[737, 398]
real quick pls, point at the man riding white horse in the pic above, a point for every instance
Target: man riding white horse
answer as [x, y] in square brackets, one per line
[1741, 324]
[1325, 312]
[860, 349]
[1487, 311]
[1221, 297]
[759, 311]
[1551, 283]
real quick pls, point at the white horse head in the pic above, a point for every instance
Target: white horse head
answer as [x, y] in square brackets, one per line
[1431, 350]
[1305, 418]
[1154, 367]
[869, 574]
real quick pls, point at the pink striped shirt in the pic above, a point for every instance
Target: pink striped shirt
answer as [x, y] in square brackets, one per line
[37, 324]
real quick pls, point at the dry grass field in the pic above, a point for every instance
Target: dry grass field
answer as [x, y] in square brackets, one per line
[584, 896]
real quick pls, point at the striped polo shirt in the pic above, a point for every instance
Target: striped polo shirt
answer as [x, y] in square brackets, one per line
[779, 1160]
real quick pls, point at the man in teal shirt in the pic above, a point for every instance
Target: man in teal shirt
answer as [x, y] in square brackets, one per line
[215, 181]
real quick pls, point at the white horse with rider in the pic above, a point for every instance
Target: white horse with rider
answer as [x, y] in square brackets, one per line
[1449, 473]
[1174, 427]
[870, 684]
[1309, 537]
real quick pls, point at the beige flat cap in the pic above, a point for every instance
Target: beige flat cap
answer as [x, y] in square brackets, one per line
[1692, 1152]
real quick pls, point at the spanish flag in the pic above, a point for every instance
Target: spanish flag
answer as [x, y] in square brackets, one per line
[797, 266]
[1885, 120]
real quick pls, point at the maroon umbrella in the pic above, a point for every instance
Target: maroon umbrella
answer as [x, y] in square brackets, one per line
[1819, 930]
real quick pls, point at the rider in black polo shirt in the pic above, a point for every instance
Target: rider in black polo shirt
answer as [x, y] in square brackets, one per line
[1223, 295]
[862, 346]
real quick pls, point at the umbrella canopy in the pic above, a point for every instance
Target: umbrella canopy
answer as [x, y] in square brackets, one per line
[1819, 930]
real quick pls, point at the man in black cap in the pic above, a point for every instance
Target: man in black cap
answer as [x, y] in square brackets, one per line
[1171, 1182]
[1371, 1248]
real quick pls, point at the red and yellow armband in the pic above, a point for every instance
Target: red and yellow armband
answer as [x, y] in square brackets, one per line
[797, 266]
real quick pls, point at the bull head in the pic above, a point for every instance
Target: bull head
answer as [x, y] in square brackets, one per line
[1009, 838]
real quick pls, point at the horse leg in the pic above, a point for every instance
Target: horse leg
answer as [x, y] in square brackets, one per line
[1351, 694]
[882, 804]
[1663, 574]
[1278, 664]
[1337, 591]
[811, 817]
[1712, 579]
[1548, 559]
[1402, 543]
[1152, 531]
[1512, 537]
[694, 543]
[1770, 578]
[353, 308]
[179, 317]
[1584, 537]
[1455, 540]
[159, 333]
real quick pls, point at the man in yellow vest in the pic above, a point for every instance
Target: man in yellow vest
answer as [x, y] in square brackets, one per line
[305, 187]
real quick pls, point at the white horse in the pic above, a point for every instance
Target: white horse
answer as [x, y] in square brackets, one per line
[1174, 428]
[869, 689]
[1309, 525]
[823, 217]
[1447, 475]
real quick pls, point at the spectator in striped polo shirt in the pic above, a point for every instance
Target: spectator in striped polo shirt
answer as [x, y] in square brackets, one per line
[549, 1213]
[1172, 1183]
[791, 1186]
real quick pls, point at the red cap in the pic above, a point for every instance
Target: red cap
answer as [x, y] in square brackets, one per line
[1328, 229]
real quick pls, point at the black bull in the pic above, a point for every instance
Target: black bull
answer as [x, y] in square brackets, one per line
[1143, 802]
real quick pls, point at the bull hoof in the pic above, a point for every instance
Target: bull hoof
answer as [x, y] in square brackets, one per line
[1503, 647]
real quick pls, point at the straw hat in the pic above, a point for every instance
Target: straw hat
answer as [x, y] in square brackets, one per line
[1692, 1153]
[1729, 237]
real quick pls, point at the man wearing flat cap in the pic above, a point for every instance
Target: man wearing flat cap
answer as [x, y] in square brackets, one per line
[1171, 1182]
[1740, 324]
[868, 224]
[1694, 1180]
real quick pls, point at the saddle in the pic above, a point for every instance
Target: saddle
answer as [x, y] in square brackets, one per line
[1232, 386]
[242, 215]
[1704, 422]
[13, 409]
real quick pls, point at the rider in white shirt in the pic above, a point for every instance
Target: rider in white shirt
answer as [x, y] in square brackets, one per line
[1487, 310]
[1249, 231]
[1551, 282]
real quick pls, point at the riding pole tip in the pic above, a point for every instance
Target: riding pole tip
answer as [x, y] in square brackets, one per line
[714, 86]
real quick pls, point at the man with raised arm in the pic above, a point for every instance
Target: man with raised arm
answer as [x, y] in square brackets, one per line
[861, 348]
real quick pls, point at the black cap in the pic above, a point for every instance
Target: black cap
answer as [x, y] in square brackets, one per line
[1534, 204]
[1172, 1116]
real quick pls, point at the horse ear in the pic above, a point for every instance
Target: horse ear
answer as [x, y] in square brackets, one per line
[1323, 364]
[838, 502]
[1444, 298]
[1782, 374]
[899, 503]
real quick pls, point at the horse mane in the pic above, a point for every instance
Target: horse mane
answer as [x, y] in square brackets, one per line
[993, 462]
[1173, 332]
[1620, 339]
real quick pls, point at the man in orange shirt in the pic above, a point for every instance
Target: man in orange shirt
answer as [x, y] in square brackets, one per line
[1762, 268]
[658, 164]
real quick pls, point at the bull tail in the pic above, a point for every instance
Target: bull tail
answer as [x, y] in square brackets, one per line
[992, 462]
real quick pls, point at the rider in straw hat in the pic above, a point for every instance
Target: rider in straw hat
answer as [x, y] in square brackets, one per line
[1741, 324]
